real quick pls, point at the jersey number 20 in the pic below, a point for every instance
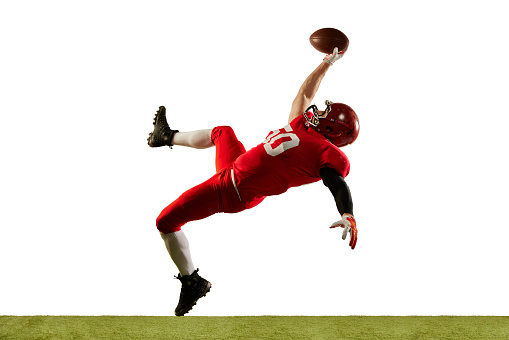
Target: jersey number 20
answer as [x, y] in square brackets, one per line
[278, 141]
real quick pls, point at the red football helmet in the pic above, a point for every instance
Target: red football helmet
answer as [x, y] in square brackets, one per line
[338, 123]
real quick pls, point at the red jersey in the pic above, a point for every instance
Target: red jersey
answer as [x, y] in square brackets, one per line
[288, 157]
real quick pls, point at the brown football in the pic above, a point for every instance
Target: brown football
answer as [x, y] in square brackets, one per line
[325, 39]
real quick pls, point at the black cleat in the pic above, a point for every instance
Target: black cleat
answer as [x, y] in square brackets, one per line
[162, 134]
[193, 287]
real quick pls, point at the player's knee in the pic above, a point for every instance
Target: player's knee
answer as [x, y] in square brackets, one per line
[164, 226]
[223, 132]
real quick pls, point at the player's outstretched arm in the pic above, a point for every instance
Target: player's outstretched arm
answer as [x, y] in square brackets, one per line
[310, 86]
[308, 90]
[339, 189]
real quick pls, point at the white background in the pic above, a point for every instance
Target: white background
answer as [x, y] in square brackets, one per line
[80, 188]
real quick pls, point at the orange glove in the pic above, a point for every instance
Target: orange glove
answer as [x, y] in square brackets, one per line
[350, 226]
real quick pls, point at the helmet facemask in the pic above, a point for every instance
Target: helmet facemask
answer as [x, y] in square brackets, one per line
[313, 116]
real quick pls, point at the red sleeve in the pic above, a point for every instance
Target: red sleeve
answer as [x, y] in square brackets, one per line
[334, 158]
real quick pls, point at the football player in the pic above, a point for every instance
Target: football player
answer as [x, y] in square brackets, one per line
[304, 151]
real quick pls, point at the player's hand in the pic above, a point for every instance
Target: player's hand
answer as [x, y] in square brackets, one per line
[335, 56]
[350, 226]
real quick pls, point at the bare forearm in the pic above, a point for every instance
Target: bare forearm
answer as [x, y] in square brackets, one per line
[312, 82]
[308, 90]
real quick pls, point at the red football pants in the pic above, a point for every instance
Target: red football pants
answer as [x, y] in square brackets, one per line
[215, 195]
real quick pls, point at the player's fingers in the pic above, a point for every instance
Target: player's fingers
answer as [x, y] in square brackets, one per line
[336, 224]
[353, 240]
[346, 231]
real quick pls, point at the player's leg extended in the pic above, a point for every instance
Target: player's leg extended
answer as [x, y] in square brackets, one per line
[228, 147]
[196, 203]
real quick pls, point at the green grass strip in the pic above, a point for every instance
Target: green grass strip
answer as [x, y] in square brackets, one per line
[254, 327]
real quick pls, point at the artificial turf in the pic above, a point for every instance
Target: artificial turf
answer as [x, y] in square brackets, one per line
[254, 327]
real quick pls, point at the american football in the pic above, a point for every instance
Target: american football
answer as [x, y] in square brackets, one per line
[325, 39]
